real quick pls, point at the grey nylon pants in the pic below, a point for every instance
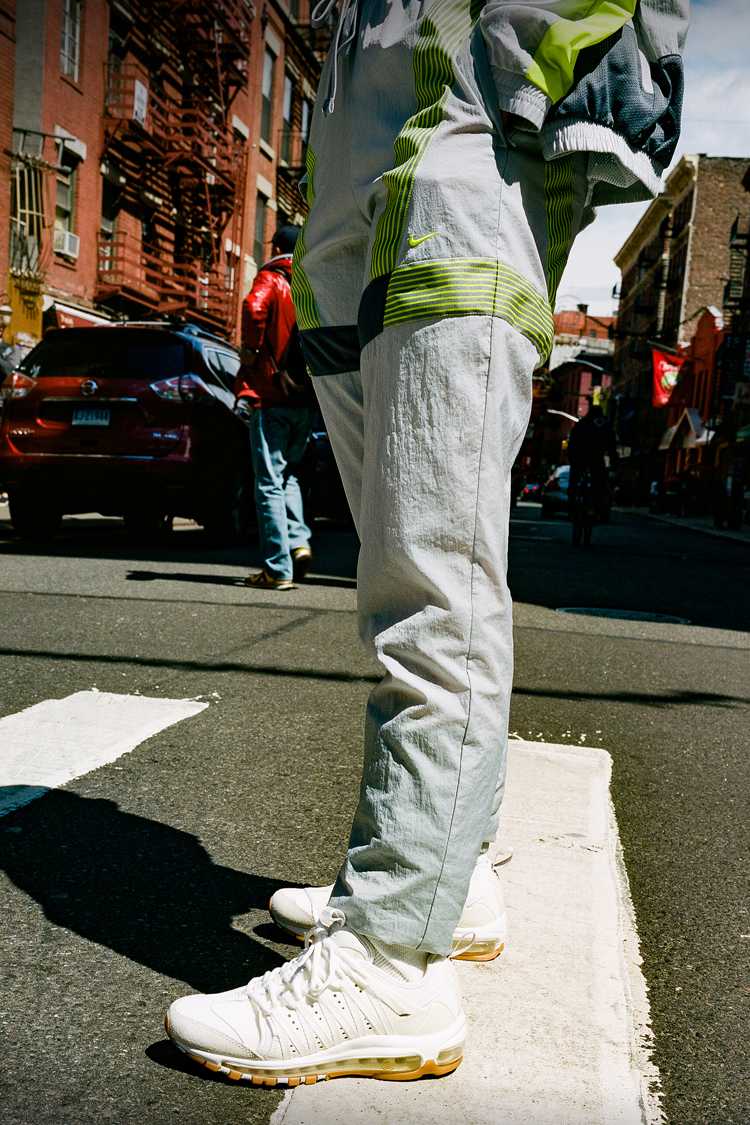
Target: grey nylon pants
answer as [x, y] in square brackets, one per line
[425, 432]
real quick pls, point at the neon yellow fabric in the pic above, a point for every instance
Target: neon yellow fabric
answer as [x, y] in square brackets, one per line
[559, 199]
[462, 286]
[591, 22]
[308, 314]
[448, 25]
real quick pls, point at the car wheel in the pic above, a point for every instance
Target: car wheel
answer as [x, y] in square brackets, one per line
[33, 514]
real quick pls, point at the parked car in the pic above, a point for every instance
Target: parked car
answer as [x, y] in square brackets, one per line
[134, 420]
[322, 489]
[531, 490]
[555, 492]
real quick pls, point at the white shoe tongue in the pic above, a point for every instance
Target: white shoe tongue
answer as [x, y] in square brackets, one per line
[397, 960]
[352, 943]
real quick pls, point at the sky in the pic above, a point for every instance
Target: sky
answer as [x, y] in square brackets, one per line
[716, 121]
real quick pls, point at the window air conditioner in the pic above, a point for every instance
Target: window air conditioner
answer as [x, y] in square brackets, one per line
[66, 243]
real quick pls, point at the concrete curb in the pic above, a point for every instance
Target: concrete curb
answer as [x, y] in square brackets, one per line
[559, 1029]
[688, 524]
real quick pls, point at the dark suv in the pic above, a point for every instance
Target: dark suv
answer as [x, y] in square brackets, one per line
[134, 420]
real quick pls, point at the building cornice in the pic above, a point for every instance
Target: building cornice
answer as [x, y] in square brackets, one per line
[681, 177]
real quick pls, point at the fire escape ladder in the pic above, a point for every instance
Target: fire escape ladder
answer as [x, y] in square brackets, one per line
[168, 136]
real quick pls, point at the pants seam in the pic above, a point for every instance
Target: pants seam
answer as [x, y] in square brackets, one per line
[472, 577]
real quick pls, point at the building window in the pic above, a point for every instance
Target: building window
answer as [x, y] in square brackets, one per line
[64, 199]
[70, 40]
[65, 241]
[259, 246]
[266, 108]
[306, 118]
[288, 106]
[27, 217]
[108, 223]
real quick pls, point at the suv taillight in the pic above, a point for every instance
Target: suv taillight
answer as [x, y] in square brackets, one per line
[16, 385]
[180, 388]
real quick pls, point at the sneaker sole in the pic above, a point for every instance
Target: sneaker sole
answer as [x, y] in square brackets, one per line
[404, 1067]
[488, 943]
[278, 589]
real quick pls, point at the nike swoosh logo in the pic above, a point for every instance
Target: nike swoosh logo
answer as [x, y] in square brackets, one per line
[414, 242]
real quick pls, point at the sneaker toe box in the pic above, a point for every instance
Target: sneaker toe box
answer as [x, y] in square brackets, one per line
[199, 1023]
[297, 909]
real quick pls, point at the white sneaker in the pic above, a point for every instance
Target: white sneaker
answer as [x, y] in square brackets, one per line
[480, 935]
[346, 1006]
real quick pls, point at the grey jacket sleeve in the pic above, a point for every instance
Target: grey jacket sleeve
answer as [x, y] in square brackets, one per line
[662, 27]
[533, 47]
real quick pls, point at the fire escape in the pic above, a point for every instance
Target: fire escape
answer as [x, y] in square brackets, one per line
[735, 349]
[174, 169]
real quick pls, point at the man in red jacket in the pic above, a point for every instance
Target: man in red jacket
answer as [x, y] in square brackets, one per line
[280, 420]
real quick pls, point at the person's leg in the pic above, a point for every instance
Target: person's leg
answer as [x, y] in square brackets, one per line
[268, 440]
[452, 337]
[340, 399]
[446, 408]
[300, 428]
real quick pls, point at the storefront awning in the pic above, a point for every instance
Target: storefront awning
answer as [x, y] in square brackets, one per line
[691, 427]
[68, 316]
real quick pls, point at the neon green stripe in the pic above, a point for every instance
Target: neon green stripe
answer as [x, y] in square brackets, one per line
[553, 68]
[439, 37]
[306, 307]
[559, 180]
[461, 286]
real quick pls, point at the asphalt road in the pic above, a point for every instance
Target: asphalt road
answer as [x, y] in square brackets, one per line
[150, 876]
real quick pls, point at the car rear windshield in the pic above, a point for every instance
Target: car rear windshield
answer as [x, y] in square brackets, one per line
[112, 352]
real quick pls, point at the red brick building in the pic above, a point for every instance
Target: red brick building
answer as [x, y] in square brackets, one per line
[675, 264]
[706, 445]
[580, 365]
[578, 323]
[693, 405]
[579, 372]
[156, 146]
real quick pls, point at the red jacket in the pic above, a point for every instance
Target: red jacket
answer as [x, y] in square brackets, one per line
[267, 322]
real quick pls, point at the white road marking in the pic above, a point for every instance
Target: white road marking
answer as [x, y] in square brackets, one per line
[559, 1025]
[61, 739]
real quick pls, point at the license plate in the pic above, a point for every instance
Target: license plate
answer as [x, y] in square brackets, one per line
[90, 416]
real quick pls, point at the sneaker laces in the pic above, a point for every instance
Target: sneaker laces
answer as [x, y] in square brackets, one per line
[309, 974]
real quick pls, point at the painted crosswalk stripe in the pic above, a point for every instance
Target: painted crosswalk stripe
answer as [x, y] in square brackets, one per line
[58, 740]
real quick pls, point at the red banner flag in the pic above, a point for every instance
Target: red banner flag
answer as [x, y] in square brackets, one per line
[666, 373]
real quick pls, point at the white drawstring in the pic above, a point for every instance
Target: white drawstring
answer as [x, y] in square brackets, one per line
[348, 16]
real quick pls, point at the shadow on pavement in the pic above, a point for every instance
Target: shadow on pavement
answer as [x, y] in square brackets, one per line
[145, 890]
[193, 665]
[644, 699]
[228, 580]
[634, 564]
[335, 550]
[178, 576]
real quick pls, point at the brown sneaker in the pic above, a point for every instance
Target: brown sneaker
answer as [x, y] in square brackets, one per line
[301, 560]
[265, 581]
